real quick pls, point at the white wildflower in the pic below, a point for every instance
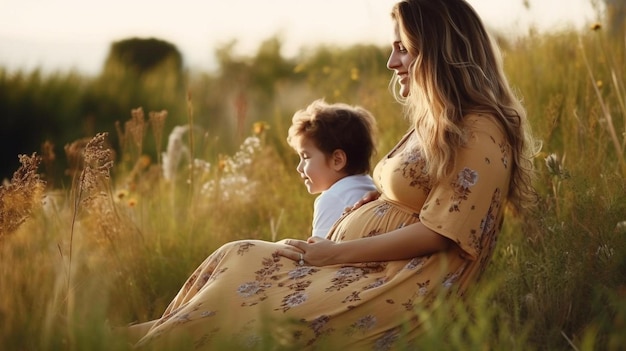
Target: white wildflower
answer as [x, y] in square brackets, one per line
[243, 157]
[176, 149]
[201, 165]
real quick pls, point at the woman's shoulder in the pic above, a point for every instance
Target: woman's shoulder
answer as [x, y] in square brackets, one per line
[484, 123]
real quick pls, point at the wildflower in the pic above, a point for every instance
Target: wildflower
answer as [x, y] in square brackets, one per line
[121, 194]
[299, 68]
[555, 167]
[552, 162]
[599, 84]
[222, 163]
[243, 157]
[144, 161]
[259, 128]
[132, 202]
[201, 165]
[354, 73]
[236, 186]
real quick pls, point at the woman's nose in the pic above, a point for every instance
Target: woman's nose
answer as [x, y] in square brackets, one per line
[393, 62]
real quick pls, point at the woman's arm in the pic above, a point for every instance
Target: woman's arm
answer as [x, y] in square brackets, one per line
[411, 241]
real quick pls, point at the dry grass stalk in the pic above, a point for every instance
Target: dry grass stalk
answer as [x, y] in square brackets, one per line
[48, 157]
[20, 196]
[74, 155]
[94, 181]
[98, 160]
[132, 134]
[136, 127]
[157, 121]
[605, 113]
[191, 137]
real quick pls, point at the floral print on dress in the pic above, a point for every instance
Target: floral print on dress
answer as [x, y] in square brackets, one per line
[244, 247]
[466, 179]
[382, 209]
[253, 292]
[505, 150]
[413, 167]
[294, 299]
[208, 267]
[344, 277]
[302, 272]
[318, 326]
[416, 263]
[362, 325]
[488, 225]
[298, 286]
[422, 289]
[385, 342]
[378, 282]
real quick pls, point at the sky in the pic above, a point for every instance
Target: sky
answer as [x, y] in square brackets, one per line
[63, 35]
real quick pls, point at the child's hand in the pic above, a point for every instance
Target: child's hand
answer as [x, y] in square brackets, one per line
[369, 196]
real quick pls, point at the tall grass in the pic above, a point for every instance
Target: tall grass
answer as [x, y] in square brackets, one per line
[116, 246]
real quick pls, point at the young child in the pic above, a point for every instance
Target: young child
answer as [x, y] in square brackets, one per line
[335, 143]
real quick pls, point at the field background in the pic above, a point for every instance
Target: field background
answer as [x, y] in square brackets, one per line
[100, 230]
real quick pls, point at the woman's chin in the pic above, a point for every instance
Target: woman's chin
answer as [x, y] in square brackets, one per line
[404, 91]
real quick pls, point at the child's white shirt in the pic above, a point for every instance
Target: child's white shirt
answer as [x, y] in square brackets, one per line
[330, 204]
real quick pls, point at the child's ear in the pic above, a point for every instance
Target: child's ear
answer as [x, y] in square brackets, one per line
[339, 159]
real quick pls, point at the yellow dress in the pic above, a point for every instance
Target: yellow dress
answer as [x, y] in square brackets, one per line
[244, 293]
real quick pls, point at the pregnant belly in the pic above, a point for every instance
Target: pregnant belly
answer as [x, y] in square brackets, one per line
[374, 218]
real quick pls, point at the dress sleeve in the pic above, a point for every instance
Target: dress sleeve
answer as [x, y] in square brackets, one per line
[467, 204]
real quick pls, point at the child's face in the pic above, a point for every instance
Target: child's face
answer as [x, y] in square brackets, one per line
[314, 167]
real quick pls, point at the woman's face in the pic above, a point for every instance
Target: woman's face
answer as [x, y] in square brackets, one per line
[399, 61]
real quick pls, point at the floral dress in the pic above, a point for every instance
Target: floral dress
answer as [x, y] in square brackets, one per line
[244, 293]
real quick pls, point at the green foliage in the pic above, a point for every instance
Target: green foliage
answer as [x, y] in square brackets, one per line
[36, 108]
[143, 56]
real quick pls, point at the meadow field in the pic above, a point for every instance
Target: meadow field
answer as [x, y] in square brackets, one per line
[100, 230]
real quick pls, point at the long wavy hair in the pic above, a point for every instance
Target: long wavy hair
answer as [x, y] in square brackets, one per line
[458, 71]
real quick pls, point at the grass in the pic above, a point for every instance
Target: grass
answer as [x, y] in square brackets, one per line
[115, 246]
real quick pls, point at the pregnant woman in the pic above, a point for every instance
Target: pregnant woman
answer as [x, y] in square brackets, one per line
[429, 230]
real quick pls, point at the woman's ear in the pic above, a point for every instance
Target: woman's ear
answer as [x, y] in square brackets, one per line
[338, 160]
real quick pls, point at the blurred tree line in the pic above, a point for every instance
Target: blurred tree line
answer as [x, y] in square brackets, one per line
[44, 113]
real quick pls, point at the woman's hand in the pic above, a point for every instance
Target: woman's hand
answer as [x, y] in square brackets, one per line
[369, 196]
[313, 252]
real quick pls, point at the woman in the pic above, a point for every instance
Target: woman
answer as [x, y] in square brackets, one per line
[443, 189]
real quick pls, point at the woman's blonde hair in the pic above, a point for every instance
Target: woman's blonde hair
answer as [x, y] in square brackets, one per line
[458, 71]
